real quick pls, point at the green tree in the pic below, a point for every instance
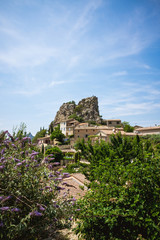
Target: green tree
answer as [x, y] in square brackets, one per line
[78, 118]
[56, 152]
[127, 127]
[123, 201]
[20, 131]
[57, 134]
[41, 133]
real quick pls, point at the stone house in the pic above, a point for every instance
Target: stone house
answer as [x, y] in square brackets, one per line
[82, 131]
[67, 126]
[112, 122]
[148, 130]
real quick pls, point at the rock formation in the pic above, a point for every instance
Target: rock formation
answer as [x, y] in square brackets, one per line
[87, 110]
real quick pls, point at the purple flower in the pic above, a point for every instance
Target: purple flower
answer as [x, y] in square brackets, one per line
[58, 179]
[66, 175]
[26, 152]
[78, 209]
[50, 166]
[15, 209]
[1, 224]
[5, 199]
[25, 138]
[42, 208]
[23, 161]
[50, 155]
[1, 197]
[47, 187]
[9, 135]
[58, 172]
[56, 206]
[19, 164]
[51, 159]
[4, 208]
[36, 214]
[51, 175]
[2, 159]
[16, 160]
[73, 199]
[37, 165]
[1, 167]
[34, 153]
[3, 150]
[13, 145]
[56, 163]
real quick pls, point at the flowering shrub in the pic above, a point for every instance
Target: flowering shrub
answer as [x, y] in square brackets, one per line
[29, 203]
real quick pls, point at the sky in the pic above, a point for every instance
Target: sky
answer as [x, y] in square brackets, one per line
[55, 51]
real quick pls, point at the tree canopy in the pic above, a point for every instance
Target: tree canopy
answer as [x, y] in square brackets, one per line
[41, 133]
[57, 134]
[123, 198]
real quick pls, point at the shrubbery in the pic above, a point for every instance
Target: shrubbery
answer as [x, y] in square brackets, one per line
[123, 201]
[56, 153]
[29, 207]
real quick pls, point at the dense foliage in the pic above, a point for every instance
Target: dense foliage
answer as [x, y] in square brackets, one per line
[20, 131]
[41, 133]
[29, 205]
[127, 127]
[57, 134]
[124, 197]
[76, 117]
[56, 153]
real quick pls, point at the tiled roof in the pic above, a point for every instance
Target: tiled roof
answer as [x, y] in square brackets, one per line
[148, 128]
[112, 120]
[48, 137]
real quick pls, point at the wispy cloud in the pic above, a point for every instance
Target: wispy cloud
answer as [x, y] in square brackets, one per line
[133, 99]
[53, 83]
[119, 74]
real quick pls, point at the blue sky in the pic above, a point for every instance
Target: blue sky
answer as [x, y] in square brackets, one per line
[55, 51]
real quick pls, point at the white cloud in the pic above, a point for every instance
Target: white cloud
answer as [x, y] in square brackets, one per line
[119, 74]
[26, 55]
[53, 83]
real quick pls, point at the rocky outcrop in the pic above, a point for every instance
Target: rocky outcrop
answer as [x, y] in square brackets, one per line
[87, 110]
[65, 111]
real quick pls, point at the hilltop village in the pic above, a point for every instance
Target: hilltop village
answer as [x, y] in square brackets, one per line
[83, 121]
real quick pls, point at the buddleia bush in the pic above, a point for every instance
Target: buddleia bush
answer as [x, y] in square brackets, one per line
[29, 204]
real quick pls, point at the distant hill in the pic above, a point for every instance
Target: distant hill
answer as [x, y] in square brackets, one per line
[30, 136]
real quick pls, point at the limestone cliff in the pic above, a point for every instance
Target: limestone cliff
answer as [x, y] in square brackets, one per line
[87, 110]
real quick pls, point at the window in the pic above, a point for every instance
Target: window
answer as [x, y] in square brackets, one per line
[86, 136]
[78, 136]
[78, 130]
[110, 122]
[86, 130]
[118, 122]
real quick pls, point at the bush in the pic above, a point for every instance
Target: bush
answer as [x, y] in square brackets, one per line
[123, 202]
[29, 207]
[56, 152]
